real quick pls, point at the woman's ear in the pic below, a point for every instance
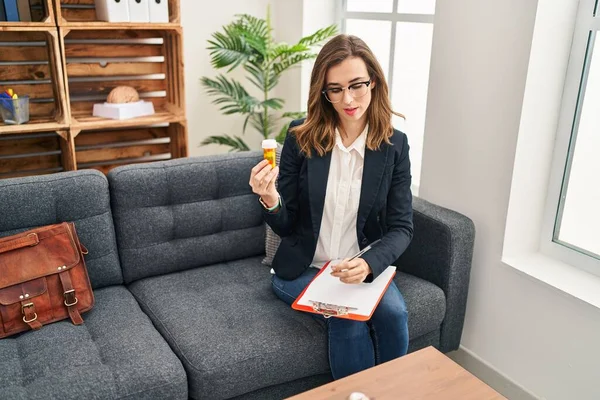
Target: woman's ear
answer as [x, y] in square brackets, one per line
[373, 83]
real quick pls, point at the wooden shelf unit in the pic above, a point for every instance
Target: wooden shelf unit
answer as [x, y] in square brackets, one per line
[85, 60]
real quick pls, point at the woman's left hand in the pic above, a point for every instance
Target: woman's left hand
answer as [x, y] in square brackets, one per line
[355, 271]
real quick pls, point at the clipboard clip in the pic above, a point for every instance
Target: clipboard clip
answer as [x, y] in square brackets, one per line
[330, 310]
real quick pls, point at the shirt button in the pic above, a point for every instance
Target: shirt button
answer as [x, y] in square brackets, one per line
[365, 241]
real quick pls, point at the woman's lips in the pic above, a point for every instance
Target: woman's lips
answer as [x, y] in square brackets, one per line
[350, 111]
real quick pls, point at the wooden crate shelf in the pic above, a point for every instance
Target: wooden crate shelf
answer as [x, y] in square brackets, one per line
[69, 61]
[82, 13]
[33, 67]
[33, 154]
[148, 60]
[108, 148]
[42, 15]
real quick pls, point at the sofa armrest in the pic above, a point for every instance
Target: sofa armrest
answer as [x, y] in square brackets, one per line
[441, 252]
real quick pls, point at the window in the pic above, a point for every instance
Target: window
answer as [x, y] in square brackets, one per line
[572, 223]
[399, 32]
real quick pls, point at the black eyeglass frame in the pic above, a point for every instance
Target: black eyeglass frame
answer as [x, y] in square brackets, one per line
[367, 83]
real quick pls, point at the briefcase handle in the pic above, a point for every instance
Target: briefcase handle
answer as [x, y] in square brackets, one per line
[29, 240]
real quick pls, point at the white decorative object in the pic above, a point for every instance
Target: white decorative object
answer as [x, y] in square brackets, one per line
[112, 10]
[357, 396]
[138, 10]
[159, 11]
[123, 110]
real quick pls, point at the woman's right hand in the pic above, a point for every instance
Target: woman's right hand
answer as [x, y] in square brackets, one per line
[262, 181]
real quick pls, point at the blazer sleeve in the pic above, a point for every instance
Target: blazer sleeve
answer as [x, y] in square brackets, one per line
[283, 220]
[399, 218]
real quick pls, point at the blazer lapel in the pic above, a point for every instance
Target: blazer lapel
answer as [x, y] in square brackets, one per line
[373, 169]
[318, 172]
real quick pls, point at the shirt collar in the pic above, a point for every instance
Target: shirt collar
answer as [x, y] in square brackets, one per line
[358, 145]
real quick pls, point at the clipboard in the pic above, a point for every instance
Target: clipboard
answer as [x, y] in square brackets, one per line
[327, 296]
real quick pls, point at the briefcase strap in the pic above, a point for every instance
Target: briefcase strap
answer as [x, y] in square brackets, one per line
[70, 298]
[29, 315]
[29, 240]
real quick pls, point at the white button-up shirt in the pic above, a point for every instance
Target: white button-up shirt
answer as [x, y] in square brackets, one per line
[337, 237]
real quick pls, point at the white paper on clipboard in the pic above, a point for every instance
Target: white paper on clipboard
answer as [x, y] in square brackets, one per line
[361, 297]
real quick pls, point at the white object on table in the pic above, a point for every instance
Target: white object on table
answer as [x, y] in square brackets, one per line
[357, 396]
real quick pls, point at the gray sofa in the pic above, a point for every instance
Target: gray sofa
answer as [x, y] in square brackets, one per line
[184, 306]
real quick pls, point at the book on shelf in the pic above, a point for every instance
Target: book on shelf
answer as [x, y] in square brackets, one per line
[11, 10]
[24, 10]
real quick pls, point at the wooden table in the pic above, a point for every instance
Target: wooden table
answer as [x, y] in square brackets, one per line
[423, 375]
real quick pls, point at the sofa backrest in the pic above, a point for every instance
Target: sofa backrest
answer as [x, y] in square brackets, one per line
[185, 213]
[80, 197]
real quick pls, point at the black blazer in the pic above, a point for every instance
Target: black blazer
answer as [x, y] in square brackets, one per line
[384, 211]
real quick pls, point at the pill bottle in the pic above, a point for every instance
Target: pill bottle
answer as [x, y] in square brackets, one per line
[269, 151]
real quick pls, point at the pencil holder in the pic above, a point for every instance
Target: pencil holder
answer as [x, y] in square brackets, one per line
[15, 111]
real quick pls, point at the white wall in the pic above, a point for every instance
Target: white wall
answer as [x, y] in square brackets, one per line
[316, 14]
[537, 336]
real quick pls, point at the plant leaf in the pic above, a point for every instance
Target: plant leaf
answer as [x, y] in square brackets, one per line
[228, 49]
[235, 142]
[257, 77]
[280, 138]
[256, 33]
[262, 125]
[319, 36]
[246, 122]
[294, 114]
[231, 94]
[288, 62]
[274, 103]
[256, 121]
[284, 50]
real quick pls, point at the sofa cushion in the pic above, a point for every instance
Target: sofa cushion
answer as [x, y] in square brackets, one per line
[425, 302]
[235, 336]
[116, 353]
[180, 214]
[229, 329]
[81, 197]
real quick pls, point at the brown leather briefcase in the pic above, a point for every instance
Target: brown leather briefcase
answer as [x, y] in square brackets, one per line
[43, 279]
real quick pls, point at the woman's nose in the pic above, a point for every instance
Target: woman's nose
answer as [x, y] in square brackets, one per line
[347, 96]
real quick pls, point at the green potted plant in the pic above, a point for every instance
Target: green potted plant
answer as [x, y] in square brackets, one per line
[248, 42]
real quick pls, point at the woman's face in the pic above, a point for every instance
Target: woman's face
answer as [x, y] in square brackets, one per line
[342, 81]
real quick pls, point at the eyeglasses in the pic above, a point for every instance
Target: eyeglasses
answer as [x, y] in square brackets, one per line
[336, 94]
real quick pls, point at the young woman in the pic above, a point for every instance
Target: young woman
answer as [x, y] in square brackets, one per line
[344, 182]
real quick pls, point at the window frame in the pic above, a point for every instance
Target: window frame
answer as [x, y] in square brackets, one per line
[587, 30]
[394, 18]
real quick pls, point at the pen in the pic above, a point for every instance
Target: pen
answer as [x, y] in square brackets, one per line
[363, 251]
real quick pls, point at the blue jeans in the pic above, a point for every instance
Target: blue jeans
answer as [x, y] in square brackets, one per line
[353, 345]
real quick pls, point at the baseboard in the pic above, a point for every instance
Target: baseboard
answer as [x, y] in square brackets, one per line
[492, 377]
